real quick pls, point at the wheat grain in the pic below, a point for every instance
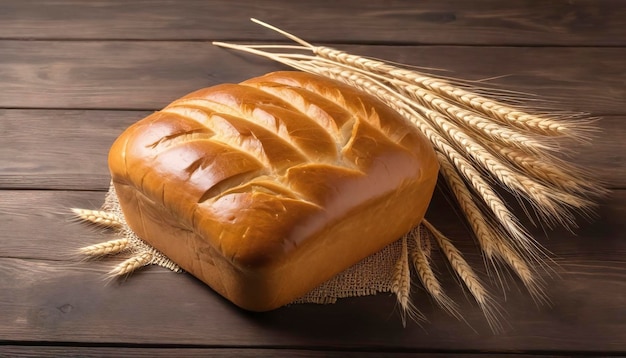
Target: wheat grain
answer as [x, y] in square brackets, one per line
[105, 248]
[98, 217]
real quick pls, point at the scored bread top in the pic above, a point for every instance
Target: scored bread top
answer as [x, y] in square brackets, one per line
[256, 169]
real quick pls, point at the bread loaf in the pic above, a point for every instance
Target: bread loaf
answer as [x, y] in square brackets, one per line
[266, 189]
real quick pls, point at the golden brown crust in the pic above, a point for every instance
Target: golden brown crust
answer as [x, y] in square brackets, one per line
[266, 189]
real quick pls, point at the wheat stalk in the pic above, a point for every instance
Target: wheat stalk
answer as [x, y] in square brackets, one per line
[549, 170]
[548, 202]
[491, 241]
[105, 248]
[467, 275]
[481, 142]
[551, 202]
[419, 257]
[131, 264]
[111, 215]
[477, 124]
[401, 284]
[493, 109]
[98, 217]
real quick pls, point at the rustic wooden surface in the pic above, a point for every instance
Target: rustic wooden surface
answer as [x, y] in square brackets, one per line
[74, 74]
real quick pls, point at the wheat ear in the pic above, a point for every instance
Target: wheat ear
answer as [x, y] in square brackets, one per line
[420, 258]
[550, 170]
[469, 278]
[98, 217]
[401, 284]
[131, 264]
[551, 202]
[105, 248]
[491, 241]
[493, 109]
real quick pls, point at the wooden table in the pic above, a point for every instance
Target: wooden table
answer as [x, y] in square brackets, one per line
[74, 74]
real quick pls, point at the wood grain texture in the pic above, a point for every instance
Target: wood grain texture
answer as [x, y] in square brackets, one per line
[61, 149]
[527, 22]
[57, 235]
[92, 352]
[48, 296]
[61, 302]
[149, 75]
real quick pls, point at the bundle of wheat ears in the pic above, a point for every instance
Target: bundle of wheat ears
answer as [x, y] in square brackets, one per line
[483, 143]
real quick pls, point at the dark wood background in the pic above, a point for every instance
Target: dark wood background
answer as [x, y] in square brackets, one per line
[74, 74]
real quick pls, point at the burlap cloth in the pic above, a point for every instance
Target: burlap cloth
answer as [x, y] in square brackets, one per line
[370, 276]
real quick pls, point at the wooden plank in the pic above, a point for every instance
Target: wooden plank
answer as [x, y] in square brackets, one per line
[517, 22]
[59, 149]
[148, 75]
[47, 296]
[67, 149]
[57, 235]
[52, 301]
[115, 75]
[605, 156]
[89, 352]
